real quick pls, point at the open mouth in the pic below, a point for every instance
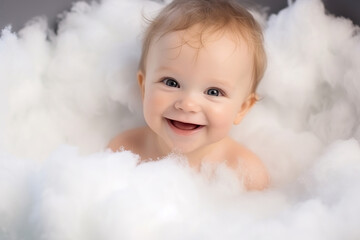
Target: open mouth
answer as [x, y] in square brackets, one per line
[183, 127]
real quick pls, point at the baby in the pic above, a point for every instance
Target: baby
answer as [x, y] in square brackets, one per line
[201, 63]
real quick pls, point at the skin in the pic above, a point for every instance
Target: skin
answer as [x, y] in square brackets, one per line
[193, 92]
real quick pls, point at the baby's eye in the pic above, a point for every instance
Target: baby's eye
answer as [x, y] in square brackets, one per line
[171, 82]
[214, 92]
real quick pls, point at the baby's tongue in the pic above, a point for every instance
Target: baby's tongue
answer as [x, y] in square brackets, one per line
[184, 126]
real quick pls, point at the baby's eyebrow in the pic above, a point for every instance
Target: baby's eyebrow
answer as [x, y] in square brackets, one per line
[219, 82]
[167, 69]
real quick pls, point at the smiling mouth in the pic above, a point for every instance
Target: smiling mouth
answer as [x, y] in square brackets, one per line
[183, 127]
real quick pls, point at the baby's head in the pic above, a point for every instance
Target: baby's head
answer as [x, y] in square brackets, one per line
[211, 16]
[201, 63]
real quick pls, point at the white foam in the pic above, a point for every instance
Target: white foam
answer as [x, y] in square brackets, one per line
[64, 95]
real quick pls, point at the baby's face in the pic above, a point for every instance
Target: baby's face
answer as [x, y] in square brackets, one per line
[193, 94]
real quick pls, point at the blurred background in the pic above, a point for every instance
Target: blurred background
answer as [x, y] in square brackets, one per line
[18, 12]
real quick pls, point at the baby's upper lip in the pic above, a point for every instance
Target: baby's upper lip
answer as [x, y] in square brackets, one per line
[188, 122]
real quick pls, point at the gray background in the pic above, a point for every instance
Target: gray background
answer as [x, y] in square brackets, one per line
[18, 12]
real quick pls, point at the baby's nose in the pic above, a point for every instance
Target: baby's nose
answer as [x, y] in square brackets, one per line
[187, 104]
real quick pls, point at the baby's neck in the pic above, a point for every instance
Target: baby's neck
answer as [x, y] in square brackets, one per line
[213, 153]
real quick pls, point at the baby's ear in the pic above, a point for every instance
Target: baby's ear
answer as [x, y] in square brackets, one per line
[246, 106]
[141, 82]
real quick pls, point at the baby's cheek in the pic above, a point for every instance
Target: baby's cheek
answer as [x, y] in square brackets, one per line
[222, 118]
[159, 100]
[153, 104]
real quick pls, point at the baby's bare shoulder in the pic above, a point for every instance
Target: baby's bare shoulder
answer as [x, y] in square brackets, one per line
[251, 169]
[255, 174]
[128, 140]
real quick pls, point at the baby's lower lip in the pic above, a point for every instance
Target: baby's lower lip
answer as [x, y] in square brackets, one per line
[182, 128]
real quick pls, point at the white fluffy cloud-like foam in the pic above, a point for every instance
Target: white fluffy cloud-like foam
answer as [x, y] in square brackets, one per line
[63, 95]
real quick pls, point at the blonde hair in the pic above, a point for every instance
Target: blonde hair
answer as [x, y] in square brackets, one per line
[210, 14]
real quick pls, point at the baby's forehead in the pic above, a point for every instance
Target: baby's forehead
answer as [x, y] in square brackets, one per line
[198, 38]
[221, 43]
